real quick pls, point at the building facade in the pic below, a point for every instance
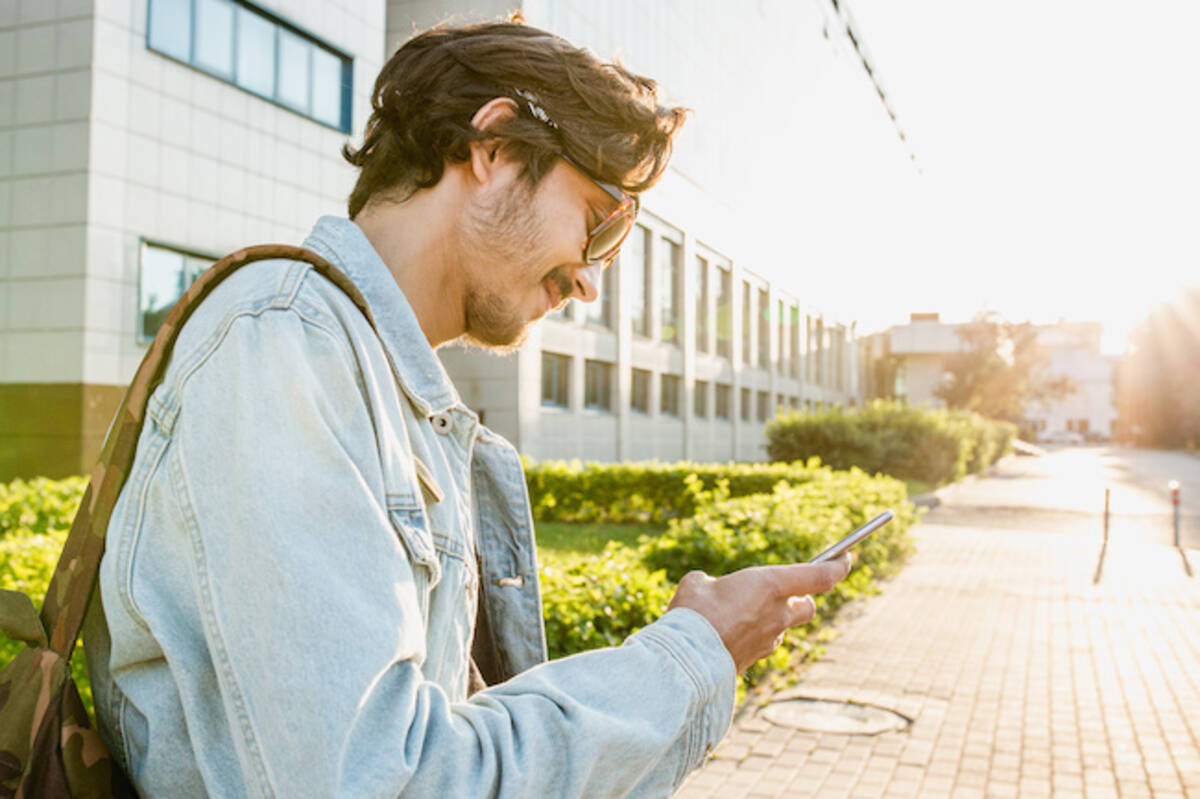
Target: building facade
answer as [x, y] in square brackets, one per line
[906, 362]
[140, 140]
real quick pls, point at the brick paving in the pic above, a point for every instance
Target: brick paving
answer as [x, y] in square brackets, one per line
[1023, 679]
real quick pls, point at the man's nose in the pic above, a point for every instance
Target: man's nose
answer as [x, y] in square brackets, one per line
[587, 283]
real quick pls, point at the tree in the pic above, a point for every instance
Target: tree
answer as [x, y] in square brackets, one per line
[1000, 370]
[1158, 379]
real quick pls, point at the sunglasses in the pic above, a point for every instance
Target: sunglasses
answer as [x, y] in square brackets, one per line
[606, 238]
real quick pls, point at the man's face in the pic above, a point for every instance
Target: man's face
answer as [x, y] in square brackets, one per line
[522, 250]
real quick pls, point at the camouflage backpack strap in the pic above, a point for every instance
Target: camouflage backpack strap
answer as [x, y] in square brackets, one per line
[71, 586]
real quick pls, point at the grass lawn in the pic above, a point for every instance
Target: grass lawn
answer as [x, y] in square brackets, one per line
[564, 538]
[916, 487]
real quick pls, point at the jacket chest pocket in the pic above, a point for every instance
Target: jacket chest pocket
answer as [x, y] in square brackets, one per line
[412, 528]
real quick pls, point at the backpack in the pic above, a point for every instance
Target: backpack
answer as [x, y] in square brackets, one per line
[48, 745]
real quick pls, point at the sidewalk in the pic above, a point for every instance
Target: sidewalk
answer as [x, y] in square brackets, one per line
[1023, 680]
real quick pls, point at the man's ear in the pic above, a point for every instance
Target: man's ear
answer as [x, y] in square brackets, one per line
[485, 153]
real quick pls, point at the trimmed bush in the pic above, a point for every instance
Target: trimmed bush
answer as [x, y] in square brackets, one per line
[27, 561]
[591, 601]
[890, 438]
[790, 525]
[39, 505]
[570, 491]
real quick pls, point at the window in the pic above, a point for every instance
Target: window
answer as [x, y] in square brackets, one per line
[597, 385]
[725, 314]
[794, 403]
[555, 371]
[700, 295]
[669, 279]
[780, 402]
[700, 398]
[639, 395]
[764, 328]
[600, 311]
[670, 395]
[747, 317]
[724, 394]
[764, 405]
[745, 404]
[165, 275]
[236, 42]
[783, 339]
[639, 279]
[255, 53]
[795, 337]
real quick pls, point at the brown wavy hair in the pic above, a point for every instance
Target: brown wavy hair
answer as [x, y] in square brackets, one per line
[606, 118]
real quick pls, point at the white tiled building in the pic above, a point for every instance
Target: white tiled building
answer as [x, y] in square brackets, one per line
[914, 354]
[137, 143]
[141, 139]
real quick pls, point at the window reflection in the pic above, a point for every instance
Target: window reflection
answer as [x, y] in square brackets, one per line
[256, 53]
[214, 36]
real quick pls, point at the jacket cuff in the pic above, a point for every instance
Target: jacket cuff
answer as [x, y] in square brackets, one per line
[695, 646]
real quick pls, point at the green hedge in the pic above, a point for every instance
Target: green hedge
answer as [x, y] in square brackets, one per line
[590, 601]
[27, 561]
[40, 504]
[599, 600]
[891, 438]
[570, 491]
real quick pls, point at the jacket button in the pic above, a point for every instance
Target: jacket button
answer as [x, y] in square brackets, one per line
[442, 423]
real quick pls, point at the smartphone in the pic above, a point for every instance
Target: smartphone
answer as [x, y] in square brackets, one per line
[858, 535]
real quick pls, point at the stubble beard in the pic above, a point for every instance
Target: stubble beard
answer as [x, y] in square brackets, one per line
[504, 232]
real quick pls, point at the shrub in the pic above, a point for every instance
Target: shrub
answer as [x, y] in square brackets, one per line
[562, 491]
[591, 601]
[790, 525]
[891, 438]
[27, 561]
[39, 505]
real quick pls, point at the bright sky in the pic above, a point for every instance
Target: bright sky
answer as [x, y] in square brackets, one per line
[1060, 147]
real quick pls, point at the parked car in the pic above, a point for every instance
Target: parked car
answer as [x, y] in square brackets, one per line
[1062, 437]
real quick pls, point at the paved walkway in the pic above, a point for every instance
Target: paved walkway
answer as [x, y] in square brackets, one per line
[1022, 677]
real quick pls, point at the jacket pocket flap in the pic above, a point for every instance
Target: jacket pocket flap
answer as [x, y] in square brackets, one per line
[429, 485]
[413, 528]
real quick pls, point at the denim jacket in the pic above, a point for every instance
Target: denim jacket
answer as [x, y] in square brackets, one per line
[287, 600]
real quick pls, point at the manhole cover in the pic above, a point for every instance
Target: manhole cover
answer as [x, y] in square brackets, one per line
[822, 715]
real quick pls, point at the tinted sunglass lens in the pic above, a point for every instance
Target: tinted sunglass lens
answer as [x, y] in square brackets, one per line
[609, 238]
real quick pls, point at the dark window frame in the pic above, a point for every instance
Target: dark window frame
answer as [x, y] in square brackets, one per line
[598, 397]
[669, 391]
[347, 61]
[142, 336]
[700, 399]
[562, 380]
[639, 402]
[722, 401]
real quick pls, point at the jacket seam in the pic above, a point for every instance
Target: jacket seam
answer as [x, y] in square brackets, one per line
[691, 731]
[206, 349]
[199, 559]
[133, 532]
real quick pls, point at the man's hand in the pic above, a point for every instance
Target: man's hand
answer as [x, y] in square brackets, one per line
[752, 608]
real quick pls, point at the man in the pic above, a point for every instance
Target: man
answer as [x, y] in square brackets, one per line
[317, 535]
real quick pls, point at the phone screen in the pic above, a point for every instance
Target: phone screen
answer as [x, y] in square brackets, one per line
[858, 535]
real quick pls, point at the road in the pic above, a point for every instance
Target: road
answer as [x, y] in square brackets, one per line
[1022, 674]
[1063, 492]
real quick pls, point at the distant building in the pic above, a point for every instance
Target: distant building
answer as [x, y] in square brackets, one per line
[1074, 350]
[906, 362]
[140, 141]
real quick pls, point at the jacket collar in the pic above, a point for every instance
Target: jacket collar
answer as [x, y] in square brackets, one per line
[417, 367]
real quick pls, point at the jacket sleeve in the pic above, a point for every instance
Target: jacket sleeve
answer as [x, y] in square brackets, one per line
[312, 612]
